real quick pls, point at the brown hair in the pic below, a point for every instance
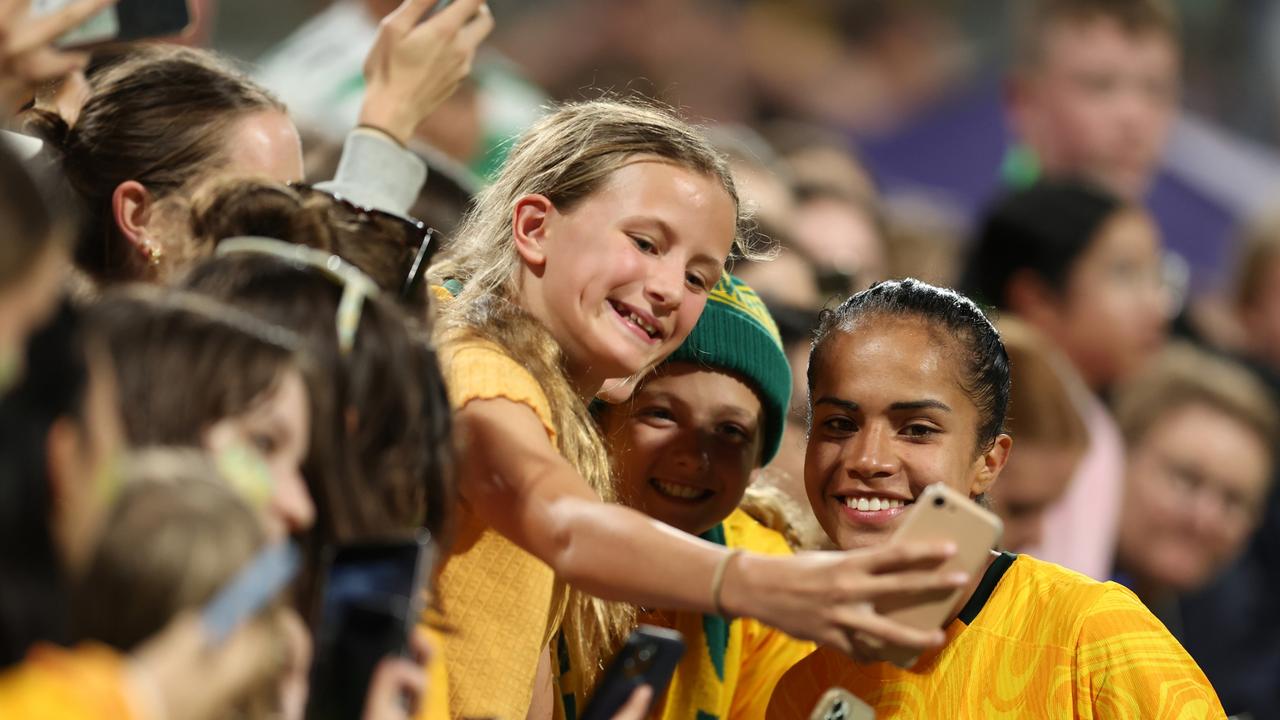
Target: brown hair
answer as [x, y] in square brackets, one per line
[160, 115]
[174, 537]
[184, 362]
[390, 468]
[1183, 375]
[374, 244]
[567, 156]
[1042, 409]
[1033, 18]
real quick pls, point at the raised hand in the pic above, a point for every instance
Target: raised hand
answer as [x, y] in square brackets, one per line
[415, 65]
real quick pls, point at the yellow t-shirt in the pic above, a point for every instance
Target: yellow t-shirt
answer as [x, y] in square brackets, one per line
[729, 669]
[57, 684]
[501, 605]
[1035, 641]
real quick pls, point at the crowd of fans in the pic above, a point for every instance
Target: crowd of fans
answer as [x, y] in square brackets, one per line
[322, 301]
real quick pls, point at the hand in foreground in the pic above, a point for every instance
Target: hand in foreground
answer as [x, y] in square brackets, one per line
[830, 597]
[415, 65]
[27, 55]
[399, 684]
[638, 706]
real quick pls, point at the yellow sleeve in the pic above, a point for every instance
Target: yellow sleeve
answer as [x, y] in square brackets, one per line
[1128, 665]
[479, 370]
[435, 705]
[56, 684]
[767, 653]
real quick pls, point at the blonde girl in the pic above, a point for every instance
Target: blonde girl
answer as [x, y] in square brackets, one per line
[591, 258]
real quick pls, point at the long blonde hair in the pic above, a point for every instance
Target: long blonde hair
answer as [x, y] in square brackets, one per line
[566, 157]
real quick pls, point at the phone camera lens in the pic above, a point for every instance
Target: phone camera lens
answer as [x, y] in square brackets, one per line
[939, 502]
[646, 653]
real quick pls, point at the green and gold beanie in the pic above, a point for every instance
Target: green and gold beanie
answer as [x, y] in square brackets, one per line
[737, 333]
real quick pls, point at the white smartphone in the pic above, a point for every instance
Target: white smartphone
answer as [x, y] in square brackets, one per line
[126, 20]
[840, 704]
[941, 513]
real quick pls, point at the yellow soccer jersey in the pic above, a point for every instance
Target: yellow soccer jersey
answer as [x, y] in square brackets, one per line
[1034, 641]
[729, 669]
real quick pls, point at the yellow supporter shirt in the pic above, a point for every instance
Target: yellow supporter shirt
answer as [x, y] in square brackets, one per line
[87, 683]
[1034, 641]
[501, 605]
[729, 669]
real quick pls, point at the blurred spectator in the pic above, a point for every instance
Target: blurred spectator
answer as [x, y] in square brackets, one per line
[1049, 438]
[847, 236]
[60, 436]
[924, 239]
[1200, 432]
[131, 164]
[381, 455]
[789, 288]
[1094, 90]
[1084, 268]
[245, 399]
[34, 260]
[1257, 295]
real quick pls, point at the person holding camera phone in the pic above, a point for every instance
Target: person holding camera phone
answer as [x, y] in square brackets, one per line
[909, 386]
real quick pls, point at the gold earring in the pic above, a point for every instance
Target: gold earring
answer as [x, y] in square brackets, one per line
[153, 253]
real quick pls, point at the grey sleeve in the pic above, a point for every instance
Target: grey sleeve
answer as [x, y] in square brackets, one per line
[375, 171]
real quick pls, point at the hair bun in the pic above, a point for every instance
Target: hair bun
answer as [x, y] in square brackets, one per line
[48, 126]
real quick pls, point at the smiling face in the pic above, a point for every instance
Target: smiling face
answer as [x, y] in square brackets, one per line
[278, 427]
[685, 444]
[621, 277]
[890, 418]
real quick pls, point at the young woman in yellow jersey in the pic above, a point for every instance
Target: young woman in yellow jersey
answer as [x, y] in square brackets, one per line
[908, 386]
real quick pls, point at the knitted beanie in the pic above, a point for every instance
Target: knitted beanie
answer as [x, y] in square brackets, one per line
[737, 333]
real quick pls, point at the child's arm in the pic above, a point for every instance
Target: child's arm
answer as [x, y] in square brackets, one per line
[516, 481]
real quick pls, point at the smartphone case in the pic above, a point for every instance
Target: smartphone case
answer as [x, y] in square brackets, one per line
[840, 704]
[939, 514]
[649, 657]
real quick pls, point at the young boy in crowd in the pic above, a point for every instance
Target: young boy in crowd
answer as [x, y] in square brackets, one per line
[1093, 91]
[684, 448]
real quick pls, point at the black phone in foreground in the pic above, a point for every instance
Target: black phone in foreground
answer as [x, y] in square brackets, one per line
[649, 657]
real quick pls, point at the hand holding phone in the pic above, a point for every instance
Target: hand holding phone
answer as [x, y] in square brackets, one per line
[415, 63]
[939, 514]
[649, 657]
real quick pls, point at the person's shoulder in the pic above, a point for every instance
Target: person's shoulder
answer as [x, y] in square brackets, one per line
[741, 531]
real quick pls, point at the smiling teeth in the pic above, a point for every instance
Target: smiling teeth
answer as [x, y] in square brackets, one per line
[653, 332]
[872, 504]
[681, 491]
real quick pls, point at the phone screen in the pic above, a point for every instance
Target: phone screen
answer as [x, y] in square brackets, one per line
[371, 601]
[126, 20]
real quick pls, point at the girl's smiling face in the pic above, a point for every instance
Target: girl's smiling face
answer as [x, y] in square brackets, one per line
[621, 277]
[890, 417]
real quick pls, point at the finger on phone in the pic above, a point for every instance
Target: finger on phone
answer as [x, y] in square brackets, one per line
[477, 28]
[910, 555]
[914, 582]
[638, 706]
[410, 12]
[46, 28]
[891, 632]
[458, 13]
[420, 646]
